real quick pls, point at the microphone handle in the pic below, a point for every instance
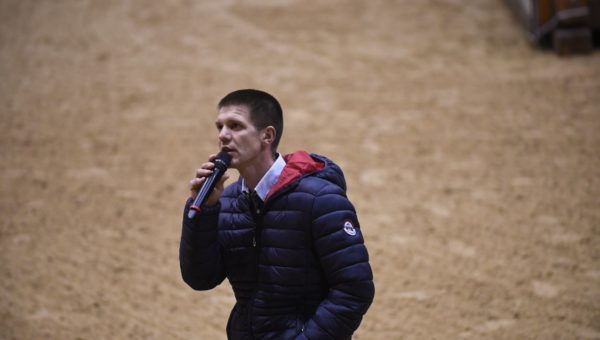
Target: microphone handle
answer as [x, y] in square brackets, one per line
[205, 190]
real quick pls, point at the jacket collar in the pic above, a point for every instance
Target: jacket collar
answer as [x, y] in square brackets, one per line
[268, 180]
[298, 164]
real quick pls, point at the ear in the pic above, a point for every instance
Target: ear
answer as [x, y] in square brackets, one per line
[268, 135]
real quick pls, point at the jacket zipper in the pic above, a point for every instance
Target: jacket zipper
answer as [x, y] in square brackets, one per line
[257, 216]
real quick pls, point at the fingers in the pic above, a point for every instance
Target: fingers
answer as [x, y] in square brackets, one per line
[205, 171]
[195, 185]
[202, 173]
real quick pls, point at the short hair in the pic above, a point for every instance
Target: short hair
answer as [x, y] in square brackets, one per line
[264, 110]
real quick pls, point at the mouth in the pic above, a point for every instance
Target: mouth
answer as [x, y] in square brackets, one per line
[227, 149]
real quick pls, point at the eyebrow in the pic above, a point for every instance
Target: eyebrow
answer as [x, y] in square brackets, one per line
[235, 119]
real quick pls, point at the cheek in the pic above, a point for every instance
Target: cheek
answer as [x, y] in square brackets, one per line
[250, 143]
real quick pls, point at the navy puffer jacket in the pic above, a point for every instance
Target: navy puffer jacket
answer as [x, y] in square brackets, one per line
[298, 270]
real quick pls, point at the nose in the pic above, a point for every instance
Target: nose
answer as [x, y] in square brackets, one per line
[224, 135]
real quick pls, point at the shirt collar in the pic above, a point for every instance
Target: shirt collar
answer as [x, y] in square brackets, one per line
[268, 180]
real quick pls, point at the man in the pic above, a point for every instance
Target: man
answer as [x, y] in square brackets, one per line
[284, 234]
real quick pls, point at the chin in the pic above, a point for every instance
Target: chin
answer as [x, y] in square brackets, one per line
[233, 164]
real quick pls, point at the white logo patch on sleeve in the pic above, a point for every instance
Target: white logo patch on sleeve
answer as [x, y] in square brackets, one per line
[349, 228]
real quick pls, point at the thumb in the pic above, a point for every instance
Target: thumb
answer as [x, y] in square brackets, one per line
[221, 182]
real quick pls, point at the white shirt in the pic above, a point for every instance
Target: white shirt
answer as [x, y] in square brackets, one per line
[268, 180]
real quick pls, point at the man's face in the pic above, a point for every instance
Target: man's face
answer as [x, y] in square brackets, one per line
[238, 135]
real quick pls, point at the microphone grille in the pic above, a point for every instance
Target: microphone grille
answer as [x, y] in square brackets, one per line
[223, 158]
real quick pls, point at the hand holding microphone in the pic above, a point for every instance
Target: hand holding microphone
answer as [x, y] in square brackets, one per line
[207, 187]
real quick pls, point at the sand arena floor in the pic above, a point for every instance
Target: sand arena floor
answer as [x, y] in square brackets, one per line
[473, 160]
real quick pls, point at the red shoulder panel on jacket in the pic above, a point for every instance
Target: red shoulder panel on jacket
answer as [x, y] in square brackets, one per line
[297, 165]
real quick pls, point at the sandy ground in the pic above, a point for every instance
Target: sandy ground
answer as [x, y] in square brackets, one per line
[473, 160]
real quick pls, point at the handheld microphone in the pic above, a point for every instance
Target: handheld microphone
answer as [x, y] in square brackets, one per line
[221, 163]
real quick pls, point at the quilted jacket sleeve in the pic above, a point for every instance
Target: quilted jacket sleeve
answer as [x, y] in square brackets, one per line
[199, 251]
[344, 259]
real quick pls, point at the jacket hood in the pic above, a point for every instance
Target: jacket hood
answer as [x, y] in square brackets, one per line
[300, 164]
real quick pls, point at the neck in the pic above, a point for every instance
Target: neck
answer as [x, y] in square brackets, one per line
[256, 170]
